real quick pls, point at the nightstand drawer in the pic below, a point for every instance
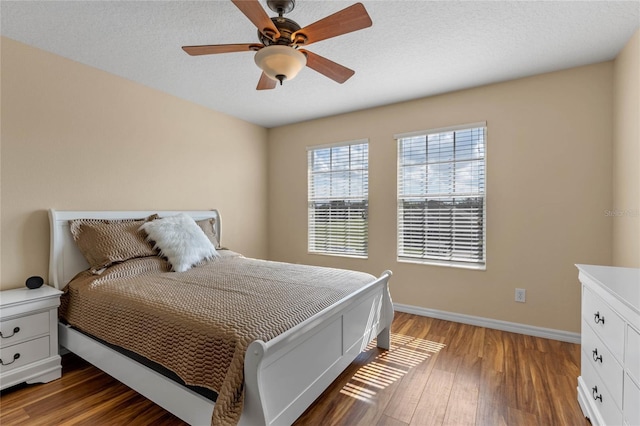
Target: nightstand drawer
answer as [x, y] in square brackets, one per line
[603, 362]
[599, 394]
[23, 328]
[24, 353]
[604, 321]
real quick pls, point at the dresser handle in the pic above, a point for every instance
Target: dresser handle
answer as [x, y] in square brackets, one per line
[597, 318]
[594, 393]
[597, 357]
[15, 330]
[16, 356]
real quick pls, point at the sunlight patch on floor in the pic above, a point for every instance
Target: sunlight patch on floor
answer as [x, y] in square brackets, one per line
[405, 353]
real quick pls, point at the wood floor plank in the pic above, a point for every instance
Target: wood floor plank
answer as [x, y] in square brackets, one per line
[491, 414]
[525, 392]
[564, 413]
[465, 392]
[440, 328]
[404, 401]
[76, 376]
[104, 389]
[437, 372]
[518, 417]
[540, 384]
[433, 403]
[510, 368]
[466, 339]
[15, 417]
[493, 351]
[492, 407]
[390, 421]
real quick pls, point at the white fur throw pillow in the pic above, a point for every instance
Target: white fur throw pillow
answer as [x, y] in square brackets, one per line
[180, 240]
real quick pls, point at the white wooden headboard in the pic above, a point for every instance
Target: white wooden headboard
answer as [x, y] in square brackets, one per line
[65, 260]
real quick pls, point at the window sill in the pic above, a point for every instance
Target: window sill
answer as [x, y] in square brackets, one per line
[351, 256]
[459, 265]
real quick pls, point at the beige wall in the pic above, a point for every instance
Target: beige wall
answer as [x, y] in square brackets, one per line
[549, 173]
[626, 156]
[76, 138]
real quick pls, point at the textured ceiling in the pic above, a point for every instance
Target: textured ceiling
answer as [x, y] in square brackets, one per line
[414, 48]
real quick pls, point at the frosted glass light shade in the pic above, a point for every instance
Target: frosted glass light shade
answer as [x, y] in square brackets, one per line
[280, 62]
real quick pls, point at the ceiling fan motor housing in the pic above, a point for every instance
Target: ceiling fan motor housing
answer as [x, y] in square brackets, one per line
[287, 27]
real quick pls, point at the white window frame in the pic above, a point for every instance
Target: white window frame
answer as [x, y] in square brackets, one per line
[314, 244]
[426, 259]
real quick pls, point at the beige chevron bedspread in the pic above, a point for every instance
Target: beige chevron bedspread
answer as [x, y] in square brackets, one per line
[199, 323]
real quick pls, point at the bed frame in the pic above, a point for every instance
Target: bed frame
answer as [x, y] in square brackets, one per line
[283, 376]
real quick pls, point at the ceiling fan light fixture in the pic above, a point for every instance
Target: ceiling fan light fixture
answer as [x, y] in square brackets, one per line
[280, 62]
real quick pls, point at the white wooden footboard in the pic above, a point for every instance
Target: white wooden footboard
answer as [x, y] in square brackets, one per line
[286, 374]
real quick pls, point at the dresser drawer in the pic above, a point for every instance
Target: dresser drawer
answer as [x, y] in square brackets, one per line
[599, 394]
[604, 321]
[23, 328]
[632, 354]
[631, 402]
[603, 362]
[24, 353]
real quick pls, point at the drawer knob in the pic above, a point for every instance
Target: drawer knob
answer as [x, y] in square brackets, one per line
[597, 357]
[598, 318]
[594, 393]
[16, 356]
[15, 330]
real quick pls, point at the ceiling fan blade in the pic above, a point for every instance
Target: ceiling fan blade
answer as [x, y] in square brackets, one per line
[256, 14]
[352, 18]
[220, 48]
[326, 67]
[266, 83]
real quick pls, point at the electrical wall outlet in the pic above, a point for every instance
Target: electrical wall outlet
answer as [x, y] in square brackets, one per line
[521, 295]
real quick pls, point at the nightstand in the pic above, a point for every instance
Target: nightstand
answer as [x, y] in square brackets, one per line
[29, 336]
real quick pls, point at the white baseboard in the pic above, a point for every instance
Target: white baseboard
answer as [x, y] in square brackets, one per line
[529, 330]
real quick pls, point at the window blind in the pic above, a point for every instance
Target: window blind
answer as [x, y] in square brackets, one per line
[441, 196]
[338, 179]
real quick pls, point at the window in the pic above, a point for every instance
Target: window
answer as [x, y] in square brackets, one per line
[339, 199]
[441, 196]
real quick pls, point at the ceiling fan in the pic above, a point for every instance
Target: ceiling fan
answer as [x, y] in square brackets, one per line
[279, 52]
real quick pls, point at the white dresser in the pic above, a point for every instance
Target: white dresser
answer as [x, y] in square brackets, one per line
[609, 385]
[29, 336]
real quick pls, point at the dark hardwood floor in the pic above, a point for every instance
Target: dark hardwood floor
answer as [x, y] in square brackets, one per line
[436, 373]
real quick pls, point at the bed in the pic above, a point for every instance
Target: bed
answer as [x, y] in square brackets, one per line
[281, 376]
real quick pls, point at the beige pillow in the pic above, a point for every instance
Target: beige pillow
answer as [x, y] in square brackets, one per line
[105, 242]
[209, 228]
